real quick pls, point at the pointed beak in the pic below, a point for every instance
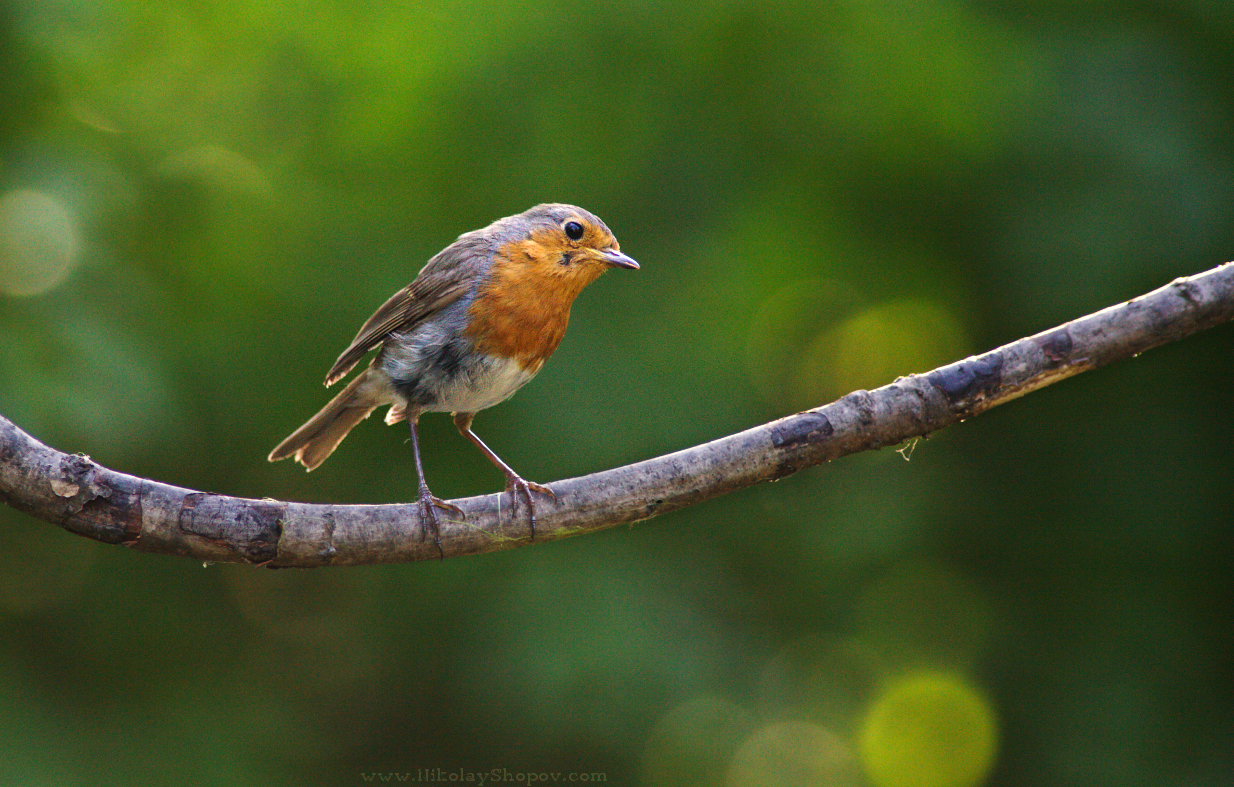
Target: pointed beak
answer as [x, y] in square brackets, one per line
[616, 259]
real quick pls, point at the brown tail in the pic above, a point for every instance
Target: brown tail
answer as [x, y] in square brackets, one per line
[312, 443]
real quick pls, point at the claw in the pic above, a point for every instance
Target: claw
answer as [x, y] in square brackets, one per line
[428, 516]
[516, 482]
[428, 503]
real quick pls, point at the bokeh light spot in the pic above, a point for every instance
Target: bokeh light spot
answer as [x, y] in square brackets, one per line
[878, 345]
[219, 167]
[929, 730]
[791, 754]
[691, 744]
[824, 678]
[39, 242]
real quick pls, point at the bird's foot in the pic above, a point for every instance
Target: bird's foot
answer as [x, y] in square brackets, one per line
[428, 516]
[515, 483]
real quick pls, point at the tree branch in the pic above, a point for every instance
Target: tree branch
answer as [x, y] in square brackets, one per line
[87, 499]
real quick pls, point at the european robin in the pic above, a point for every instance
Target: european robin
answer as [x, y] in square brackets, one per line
[477, 324]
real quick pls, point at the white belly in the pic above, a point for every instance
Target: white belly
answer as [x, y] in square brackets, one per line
[483, 385]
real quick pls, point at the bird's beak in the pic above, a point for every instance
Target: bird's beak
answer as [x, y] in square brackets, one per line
[616, 259]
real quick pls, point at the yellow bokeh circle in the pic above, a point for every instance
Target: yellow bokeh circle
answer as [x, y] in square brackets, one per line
[875, 346]
[929, 730]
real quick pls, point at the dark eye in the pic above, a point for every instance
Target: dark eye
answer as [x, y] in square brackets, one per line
[574, 230]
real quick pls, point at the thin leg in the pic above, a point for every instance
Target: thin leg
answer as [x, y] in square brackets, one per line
[514, 482]
[428, 503]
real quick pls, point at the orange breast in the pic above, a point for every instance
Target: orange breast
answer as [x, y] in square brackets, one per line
[523, 309]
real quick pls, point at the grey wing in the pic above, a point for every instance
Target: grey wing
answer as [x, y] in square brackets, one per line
[445, 279]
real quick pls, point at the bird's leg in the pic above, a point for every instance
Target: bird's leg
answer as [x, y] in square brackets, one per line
[514, 482]
[428, 503]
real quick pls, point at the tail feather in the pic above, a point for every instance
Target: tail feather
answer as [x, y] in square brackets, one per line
[312, 443]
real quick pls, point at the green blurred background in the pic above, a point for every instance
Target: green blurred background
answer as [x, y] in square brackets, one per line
[200, 203]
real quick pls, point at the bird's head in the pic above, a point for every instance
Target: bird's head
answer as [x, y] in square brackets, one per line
[542, 259]
[557, 247]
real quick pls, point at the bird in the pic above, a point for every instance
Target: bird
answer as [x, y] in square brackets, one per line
[475, 325]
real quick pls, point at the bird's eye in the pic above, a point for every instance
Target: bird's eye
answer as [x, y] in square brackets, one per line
[574, 230]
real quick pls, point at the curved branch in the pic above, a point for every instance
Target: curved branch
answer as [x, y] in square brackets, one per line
[85, 498]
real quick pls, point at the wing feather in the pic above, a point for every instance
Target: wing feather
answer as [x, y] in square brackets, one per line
[447, 277]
